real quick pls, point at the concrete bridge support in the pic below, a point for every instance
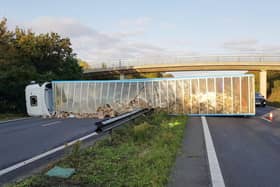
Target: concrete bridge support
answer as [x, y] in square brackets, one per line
[122, 76]
[263, 82]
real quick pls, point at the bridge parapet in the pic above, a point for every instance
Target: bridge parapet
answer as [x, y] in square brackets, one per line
[179, 61]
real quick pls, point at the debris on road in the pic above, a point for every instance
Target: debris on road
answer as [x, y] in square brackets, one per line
[106, 110]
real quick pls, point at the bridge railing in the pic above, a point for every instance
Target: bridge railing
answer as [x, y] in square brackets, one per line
[128, 63]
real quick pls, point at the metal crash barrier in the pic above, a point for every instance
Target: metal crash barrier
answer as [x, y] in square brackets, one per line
[109, 124]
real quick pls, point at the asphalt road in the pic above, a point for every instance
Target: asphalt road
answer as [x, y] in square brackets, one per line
[23, 139]
[248, 149]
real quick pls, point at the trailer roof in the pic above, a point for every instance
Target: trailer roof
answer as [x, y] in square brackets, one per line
[160, 79]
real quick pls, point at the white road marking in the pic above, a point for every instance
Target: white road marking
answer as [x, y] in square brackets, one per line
[215, 170]
[12, 120]
[23, 163]
[51, 123]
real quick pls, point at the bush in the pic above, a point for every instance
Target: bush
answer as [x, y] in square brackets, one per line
[25, 56]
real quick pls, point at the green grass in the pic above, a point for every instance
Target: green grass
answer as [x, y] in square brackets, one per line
[138, 154]
[10, 116]
[274, 103]
[274, 98]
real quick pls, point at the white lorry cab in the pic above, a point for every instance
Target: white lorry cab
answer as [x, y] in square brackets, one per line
[39, 99]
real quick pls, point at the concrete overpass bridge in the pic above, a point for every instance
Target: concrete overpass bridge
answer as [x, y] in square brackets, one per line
[194, 63]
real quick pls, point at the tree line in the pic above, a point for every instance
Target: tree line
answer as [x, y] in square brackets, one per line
[27, 56]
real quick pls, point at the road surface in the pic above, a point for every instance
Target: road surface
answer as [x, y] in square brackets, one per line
[23, 139]
[247, 150]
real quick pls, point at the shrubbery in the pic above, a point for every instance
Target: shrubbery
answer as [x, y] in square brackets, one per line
[26, 56]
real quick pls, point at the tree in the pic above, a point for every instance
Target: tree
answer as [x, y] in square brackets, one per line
[25, 56]
[83, 64]
[167, 75]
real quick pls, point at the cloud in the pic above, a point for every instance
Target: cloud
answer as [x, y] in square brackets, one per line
[95, 46]
[251, 46]
[134, 27]
[137, 22]
[241, 45]
[167, 25]
[128, 42]
[271, 48]
[64, 26]
[126, 34]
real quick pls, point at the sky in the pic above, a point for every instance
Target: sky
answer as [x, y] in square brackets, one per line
[103, 31]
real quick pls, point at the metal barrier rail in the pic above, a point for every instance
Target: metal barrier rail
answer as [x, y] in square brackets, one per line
[109, 124]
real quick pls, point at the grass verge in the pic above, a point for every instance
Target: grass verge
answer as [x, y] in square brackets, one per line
[9, 116]
[138, 154]
[274, 103]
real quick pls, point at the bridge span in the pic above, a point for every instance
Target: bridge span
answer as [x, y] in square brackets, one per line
[259, 63]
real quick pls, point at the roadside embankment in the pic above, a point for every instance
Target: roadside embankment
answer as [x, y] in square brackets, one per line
[140, 153]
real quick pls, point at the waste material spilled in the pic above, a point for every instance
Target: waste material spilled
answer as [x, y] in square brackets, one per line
[101, 113]
[105, 111]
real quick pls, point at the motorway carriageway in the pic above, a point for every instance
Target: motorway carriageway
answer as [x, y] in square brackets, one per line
[230, 151]
[26, 138]
[248, 149]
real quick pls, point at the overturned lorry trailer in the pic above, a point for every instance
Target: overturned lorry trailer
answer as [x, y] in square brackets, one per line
[209, 95]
